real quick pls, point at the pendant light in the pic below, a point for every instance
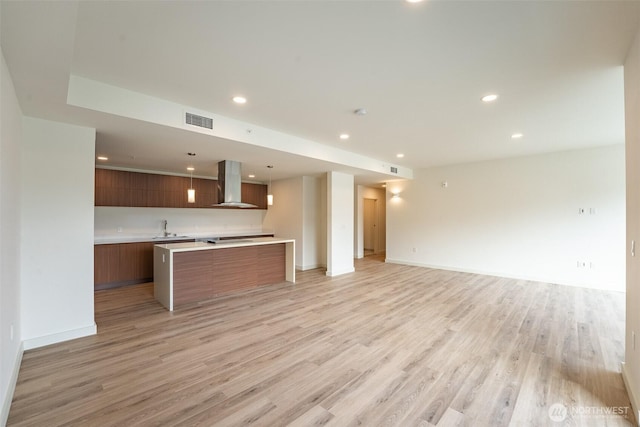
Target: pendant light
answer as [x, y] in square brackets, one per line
[269, 193]
[191, 192]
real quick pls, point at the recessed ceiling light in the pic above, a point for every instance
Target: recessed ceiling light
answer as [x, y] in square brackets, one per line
[344, 136]
[191, 168]
[252, 176]
[239, 99]
[103, 158]
[517, 136]
[413, 1]
[489, 98]
[399, 155]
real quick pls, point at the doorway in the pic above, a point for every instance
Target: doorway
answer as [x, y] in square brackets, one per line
[370, 231]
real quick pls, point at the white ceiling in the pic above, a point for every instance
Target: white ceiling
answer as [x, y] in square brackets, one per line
[305, 66]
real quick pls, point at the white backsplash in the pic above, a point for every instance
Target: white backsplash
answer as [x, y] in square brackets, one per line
[122, 222]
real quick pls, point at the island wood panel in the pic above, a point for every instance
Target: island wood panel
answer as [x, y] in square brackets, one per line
[273, 260]
[198, 275]
[192, 276]
[248, 267]
[236, 268]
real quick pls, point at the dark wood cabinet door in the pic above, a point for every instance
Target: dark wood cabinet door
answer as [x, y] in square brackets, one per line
[112, 188]
[122, 264]
[105, 259]
[132, 263]
[256, 194]
[206, 193]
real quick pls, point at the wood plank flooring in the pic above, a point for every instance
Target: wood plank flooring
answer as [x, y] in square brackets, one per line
[388, 345]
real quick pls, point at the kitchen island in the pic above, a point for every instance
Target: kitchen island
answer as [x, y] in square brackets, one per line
[185, 273]
[122, 260]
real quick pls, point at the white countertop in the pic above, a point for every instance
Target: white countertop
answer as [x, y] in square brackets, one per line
[104, 240]
[200, 246]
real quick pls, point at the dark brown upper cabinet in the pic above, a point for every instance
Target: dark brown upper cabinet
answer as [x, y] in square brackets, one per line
[138, 189]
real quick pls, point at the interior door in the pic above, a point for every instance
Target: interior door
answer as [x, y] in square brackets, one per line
[369, 224]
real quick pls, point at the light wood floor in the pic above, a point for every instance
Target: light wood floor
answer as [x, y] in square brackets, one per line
[388, 345]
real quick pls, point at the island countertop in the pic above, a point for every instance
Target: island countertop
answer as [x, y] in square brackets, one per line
[204, 246]
[111, 239]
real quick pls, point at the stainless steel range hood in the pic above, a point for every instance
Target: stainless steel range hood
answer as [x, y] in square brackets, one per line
[230, 185]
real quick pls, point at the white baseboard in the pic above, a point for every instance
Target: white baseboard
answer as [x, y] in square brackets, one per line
[60, 337]
[8, 397]
[631, 391]
[309, 267]
[457, 269]
[340, 272]
[500, 274]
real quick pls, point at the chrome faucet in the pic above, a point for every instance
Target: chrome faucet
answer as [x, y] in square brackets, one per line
[164, 228]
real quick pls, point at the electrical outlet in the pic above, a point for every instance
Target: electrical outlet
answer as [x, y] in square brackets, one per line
[414, 250]
[580, 211]
[592, 211]
[581, 264]
[119, 229]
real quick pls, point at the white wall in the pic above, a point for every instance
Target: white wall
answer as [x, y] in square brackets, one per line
[298, 212]
[10, 142]
[517, 218]
[135, 222]
[631, 369]
[314, 223]
[284, 217]
[56, 259]
[340, 214]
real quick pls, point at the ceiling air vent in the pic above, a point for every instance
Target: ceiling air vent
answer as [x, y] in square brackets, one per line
[393, 169]
[201, 121]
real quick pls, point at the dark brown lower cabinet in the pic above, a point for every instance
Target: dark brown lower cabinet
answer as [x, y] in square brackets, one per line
[122, 264]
